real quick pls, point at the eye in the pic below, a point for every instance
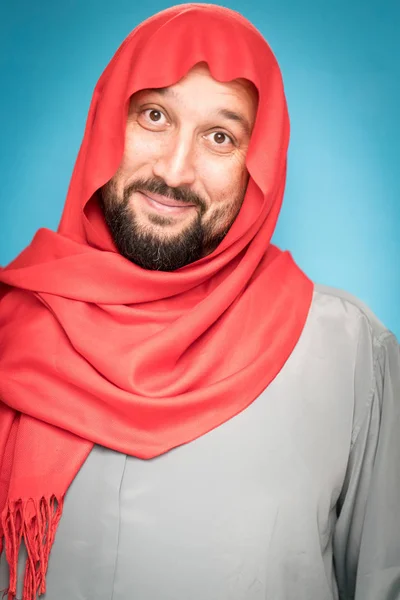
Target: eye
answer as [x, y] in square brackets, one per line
[220, 138]
[154, 115]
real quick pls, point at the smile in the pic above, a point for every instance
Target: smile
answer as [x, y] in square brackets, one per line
[165, 205]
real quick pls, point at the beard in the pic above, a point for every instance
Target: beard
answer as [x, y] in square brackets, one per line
[142, 245]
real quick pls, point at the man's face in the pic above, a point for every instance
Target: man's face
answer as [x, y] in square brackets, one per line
[182, 178]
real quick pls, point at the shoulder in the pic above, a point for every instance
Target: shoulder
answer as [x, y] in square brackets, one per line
[357, 336]
[375, 350]
[347, 311]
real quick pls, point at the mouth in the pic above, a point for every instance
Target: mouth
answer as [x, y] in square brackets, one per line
[165, 205]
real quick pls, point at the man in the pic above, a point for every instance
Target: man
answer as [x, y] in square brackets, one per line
[184, 414]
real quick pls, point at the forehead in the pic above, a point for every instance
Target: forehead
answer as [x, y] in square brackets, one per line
[200, 74]
[199, 90]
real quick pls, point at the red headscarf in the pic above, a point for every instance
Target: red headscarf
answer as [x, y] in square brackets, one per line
[96, 350]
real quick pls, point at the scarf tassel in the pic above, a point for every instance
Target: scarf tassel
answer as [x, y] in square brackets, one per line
[34, 522]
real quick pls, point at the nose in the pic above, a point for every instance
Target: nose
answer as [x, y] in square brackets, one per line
[175, 162]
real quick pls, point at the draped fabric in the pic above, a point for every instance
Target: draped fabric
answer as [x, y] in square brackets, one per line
[95, 349]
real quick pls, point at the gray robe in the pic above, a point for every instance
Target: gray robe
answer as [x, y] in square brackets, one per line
[295, 498]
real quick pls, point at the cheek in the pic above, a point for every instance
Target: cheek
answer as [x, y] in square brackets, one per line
[223, 178]
[136, 150]
[139, 153]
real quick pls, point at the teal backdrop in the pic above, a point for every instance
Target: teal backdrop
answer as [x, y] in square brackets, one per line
[341, 67]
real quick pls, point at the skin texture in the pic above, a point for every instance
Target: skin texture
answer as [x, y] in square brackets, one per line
[185, 146]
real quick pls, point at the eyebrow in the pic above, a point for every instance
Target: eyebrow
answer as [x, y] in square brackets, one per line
[222, 112]
[237, 117]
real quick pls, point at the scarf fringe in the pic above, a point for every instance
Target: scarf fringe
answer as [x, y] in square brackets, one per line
[37, 531]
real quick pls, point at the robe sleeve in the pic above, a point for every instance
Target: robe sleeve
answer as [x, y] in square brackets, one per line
[367, 534]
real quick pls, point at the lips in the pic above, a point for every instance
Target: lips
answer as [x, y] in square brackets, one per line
[166, 201]
[164, 204]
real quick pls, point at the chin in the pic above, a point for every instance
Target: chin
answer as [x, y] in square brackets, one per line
[166, 225]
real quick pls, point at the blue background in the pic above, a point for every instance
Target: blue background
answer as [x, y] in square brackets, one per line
[341, 67]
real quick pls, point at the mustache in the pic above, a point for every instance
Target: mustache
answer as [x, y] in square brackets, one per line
[156, 185]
